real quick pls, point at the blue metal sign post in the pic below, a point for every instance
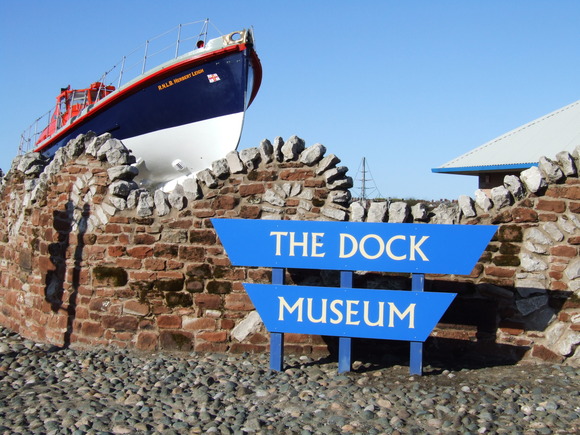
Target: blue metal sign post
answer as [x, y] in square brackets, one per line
[346, 312]
[344, 343]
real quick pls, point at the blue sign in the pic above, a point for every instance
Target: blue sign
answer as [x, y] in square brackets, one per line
[381, 247]
[349, 312]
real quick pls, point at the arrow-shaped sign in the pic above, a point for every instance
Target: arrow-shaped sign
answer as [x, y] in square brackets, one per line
[349, 312]
[415, 248]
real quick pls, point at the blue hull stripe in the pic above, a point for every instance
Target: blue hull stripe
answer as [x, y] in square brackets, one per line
[184, 97]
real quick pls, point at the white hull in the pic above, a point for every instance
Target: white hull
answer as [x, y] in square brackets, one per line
[164, 155]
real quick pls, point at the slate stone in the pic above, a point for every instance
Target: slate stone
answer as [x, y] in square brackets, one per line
[467, 206]
[533, 179]
[515, 186]
[551, 170]
[292, 148]
[313, 154]
[235, 164]
[357, 212]
[482, 200]
[398, 212]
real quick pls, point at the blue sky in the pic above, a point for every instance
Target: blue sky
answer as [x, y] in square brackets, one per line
[407, 84]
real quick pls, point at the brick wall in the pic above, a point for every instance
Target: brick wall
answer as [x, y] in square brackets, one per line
[89, 258]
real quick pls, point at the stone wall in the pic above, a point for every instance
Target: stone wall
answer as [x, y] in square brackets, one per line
[522, 298]
[88, 258]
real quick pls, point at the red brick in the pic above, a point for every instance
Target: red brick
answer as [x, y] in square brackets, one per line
[574, 207]
[202, 237]
[563, 251]
[135, 307]
[521, 214]
[180, 223]
[45, 264]
[258, 338]
[165, 250]
[213, 336]
[129, 263]
[175, 340]
[92, 329]
[154, 264]
[169, 321]
[82, 313]
[263, 175]
[558, 285]
[113, 228]
[95, 252]
[238, 302]
[225, 203]
[564, 191]
[546, 354]
[199, 324]
[296, 338]
[116, 251]
[227, 324]
[558, 267]
[551, 205]
[145, 239]
[142, 275]
[260, 275]
[170, 274]
[499, 271]
[120, 323]
[172, 265]
[251, 189]
[556, 275]
[512, 328]
[250, 212]
[207, 301]
[192, 253]
[57, 322]
[296, 174]
[571, 303]
[548, 217]
[140, 251]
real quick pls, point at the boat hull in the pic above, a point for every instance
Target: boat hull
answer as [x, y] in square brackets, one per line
[177, 120]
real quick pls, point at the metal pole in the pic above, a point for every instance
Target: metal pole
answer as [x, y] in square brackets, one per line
[145, 57]
[345, 343]
[416, 350]
[277, 338]
[122, 70]
[178, 39]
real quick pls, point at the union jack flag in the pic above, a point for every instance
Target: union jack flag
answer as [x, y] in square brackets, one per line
[213, 78]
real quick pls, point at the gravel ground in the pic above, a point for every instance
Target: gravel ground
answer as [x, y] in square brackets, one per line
[49, 390]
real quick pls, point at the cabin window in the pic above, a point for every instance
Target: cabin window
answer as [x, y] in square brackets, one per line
[62, 106]
[79, 98]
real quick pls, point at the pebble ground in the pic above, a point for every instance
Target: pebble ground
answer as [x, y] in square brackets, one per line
[60, 391]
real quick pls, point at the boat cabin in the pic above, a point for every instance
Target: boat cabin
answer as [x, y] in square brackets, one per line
[70, 103]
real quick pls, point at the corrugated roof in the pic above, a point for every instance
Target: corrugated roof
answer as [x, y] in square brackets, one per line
[523, 147]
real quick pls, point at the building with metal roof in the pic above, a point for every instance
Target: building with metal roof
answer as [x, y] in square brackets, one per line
[520, 148]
